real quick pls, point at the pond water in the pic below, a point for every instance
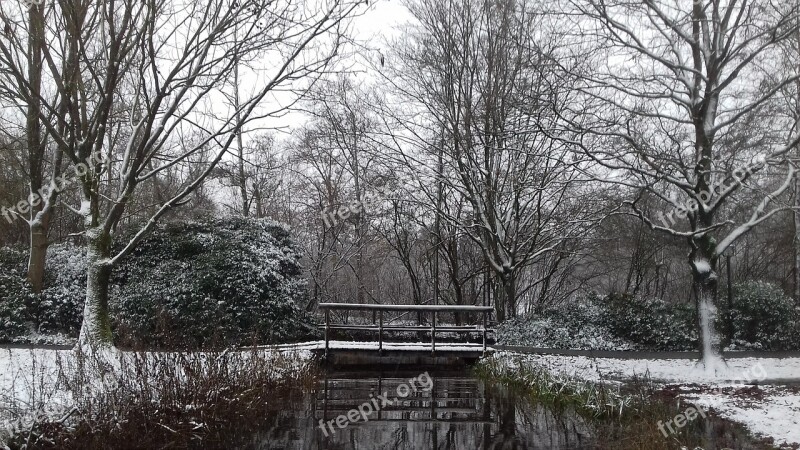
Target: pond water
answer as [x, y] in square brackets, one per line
[391, 410]
[407, 410]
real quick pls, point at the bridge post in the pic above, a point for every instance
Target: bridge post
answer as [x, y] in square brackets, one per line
[380, 390]
[380, 333]
[327, 328]
[484, 332]
[433, 335]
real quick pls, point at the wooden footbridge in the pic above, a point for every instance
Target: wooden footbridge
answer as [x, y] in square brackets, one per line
[361, 334]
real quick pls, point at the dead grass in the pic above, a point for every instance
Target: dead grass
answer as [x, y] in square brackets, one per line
[151, 400]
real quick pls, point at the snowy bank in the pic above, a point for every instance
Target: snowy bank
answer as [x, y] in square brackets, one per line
[774, 413]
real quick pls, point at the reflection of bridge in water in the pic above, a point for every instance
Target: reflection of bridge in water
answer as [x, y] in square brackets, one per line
[433, 399]
[451, 412]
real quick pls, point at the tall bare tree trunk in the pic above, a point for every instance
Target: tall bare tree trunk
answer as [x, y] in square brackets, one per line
[242, 175]
[796, 239]
[36, 152]
[360, 219]
[510, 288]
[38, 251]
[796, 211]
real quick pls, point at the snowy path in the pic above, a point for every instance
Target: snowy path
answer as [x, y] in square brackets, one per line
[629, 354]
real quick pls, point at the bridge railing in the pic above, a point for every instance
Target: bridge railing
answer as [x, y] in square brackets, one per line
[381, 327]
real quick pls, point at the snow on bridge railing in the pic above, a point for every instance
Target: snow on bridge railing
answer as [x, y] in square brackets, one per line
[439, 308]
[380, 328]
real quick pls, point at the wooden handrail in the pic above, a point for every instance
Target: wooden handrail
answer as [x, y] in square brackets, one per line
[438, 308]
[381, 328]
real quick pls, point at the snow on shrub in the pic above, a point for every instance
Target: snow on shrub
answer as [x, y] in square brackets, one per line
[12, 307]
[60, 306]
[612, 322]
[651, 324]
[226, 282]
[15, 293]
[763, 318]
[571, 326]
[56, 311]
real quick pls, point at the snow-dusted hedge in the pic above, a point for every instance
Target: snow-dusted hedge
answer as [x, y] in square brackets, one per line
[763, 318]
[60, 307]
[231, 281]
[572, 326]
[56, 312]
[612, 322]
[651, 324]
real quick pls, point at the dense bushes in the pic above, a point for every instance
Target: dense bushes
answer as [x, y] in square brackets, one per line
[763, 317]
[572, 326]
[59, 309]
[612, 322]
[15, 295]
[227, 282]
[46, 317]
[651, 324]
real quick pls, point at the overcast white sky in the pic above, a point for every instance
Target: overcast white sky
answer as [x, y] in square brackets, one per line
[371, 31]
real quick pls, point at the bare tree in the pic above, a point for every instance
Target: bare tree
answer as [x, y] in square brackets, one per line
[23, 90]
[156, 69]
[478, 84]
[252, 175]
[342, 160]
[669, 89]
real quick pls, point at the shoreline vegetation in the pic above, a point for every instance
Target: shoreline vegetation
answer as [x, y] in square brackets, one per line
[623, 415]
[109, 398]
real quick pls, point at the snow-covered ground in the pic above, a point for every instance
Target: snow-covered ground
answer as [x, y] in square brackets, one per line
[760, 370]
[773, 410]
[776, 414]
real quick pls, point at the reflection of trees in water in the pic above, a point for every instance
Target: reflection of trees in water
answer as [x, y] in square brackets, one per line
[526, 425]
[460, 413]
[506, 437]
[400, 437]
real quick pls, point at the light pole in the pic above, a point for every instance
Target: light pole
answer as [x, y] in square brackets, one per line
[728, 253]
